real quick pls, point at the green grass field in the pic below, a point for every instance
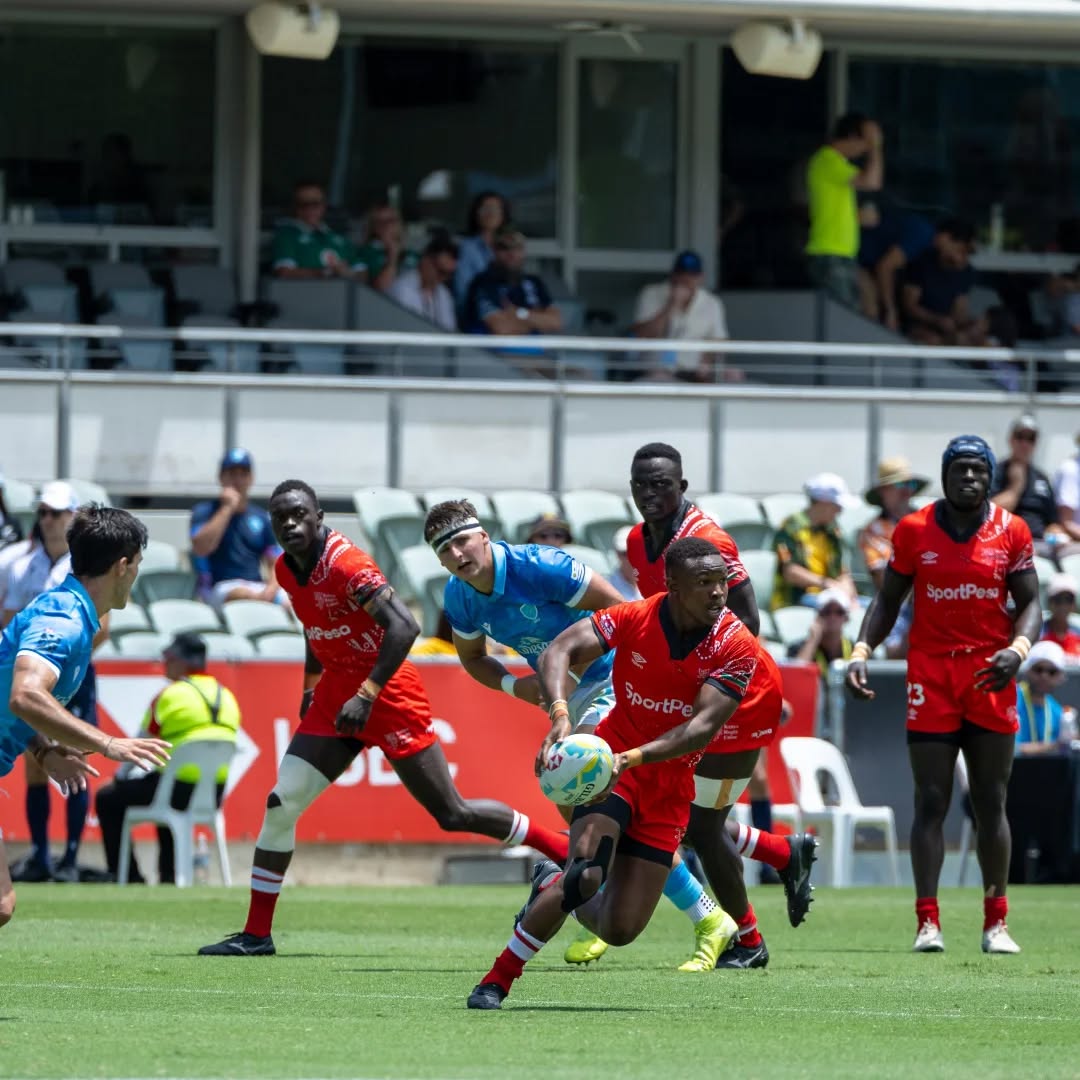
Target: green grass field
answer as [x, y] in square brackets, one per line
[99, 981]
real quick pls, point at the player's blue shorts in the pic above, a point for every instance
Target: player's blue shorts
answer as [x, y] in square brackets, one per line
[84, 703]
[590, 703]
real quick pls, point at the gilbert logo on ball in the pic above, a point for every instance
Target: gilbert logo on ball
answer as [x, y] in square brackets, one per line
[578, 768]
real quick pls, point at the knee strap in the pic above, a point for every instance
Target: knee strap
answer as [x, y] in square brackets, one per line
[571, 882]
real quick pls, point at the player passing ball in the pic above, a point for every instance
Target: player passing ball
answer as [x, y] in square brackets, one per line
[682, 664]
[962, 557]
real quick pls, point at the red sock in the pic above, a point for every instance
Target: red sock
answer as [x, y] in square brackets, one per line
[995, 908]
[510, 964]
[763, 847]
[265, 890]
[748, 931]
[555, 845]
[926, 907]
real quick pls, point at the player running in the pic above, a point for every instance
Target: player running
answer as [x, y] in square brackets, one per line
[44, 653]
[359, 691]
[962, 556]
[524, 596]
[678, 656]
[658, 489]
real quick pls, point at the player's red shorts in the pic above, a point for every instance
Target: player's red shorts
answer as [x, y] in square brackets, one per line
[941, 694]
[658, 794]
[756, 721]
[400, 721]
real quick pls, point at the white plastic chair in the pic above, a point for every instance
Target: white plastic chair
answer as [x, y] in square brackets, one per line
[761, 566]
[782, 505]
[597, 561]
[208, 755]
[158, 555]
[281, 647]
[739, 515]
[517, 510]
[183, 617]
[142, 645]
[426, 578]
[804, 759]
[793, 623]
[594, 517]
[127, 620]
[253, 618]
[228, 647]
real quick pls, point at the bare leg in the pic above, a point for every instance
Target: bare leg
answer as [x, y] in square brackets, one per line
[989, 759]
[932, 766]
[7, 889]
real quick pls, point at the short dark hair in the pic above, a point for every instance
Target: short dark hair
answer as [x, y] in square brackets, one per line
[306, 183]
[684, 551]
[959, 229]
[446, 515]
[472, 222]
[849, 125]
[441, 244]
[658, 450]
[295, 485]
[100, 536]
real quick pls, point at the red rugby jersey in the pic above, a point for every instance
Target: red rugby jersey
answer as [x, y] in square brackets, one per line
[649, 572]
[341, 634]
[657, 675]
[959, 584]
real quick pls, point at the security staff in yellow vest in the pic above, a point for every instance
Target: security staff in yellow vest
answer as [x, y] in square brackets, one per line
[193, 706]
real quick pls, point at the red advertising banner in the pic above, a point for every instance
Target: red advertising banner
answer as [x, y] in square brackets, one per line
[489, 739]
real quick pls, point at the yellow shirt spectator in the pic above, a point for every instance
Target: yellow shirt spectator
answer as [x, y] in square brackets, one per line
[834, 215]
[194, 707]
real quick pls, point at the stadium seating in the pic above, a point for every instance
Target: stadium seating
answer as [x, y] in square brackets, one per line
[88, 491]
[426, 578]
[183, 617]
[595, 517]
[518, 509]
[124, 295]
[128, 620]
[781, 505]
[142, 645]
[205, 296]
[281, 647]
[599, 562]
[792, 624]
[157, 585]
[761, 566]
[740, 516]
[228, 647]
[171, 527]
[394, 521]
[253, 618]
[157, 555]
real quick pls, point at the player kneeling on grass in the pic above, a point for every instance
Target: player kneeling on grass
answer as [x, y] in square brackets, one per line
[44, 653]
[361, 692]
[682, 665]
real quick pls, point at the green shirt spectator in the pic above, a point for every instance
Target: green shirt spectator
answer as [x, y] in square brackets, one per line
[384, 254]
[306, 247]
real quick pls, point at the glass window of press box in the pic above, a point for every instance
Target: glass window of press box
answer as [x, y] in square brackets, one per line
[427, 125]
[107, 125]
[996, 143]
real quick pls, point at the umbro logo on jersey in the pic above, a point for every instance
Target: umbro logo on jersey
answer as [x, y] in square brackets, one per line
[929, 558]
[486, 627]
[638, 659]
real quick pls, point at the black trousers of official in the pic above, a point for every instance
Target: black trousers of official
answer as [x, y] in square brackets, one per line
[111, 802]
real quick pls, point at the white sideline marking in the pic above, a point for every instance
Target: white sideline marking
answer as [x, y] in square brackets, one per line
[720, 1006]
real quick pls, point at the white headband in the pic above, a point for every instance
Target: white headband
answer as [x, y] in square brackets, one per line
[442, 539]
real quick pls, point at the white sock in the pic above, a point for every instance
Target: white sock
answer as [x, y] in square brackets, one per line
[519, 829]
[700, 908]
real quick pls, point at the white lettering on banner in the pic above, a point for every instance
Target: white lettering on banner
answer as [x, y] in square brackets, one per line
[666, 706]
[967, 591]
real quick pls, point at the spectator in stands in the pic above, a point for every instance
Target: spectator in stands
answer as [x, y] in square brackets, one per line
[1061, 596]
[424, 289]
[1038, 712]
[1021, 488]
[832, 178]
[232, 541]
[504, 299]
[810, 548]
[895, 239]
[936, 288]
[1067, 494]
[549, 530]
[623, 576]
[681, 308]
[10, 529]
[827, 640]
[306, 247]
[896, 486]
[489, 213]
[384, 253]
[193, 706]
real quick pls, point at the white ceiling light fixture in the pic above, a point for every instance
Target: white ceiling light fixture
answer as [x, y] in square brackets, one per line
[604, 28]
[303, 31]
[768, 49]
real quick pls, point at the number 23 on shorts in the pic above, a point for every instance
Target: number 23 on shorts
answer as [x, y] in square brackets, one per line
[916, 696]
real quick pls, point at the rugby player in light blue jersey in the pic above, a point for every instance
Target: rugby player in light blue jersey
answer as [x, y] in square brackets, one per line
[44, 653]
[523, 596]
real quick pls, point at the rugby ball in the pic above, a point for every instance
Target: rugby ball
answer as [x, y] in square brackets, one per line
[578, 768]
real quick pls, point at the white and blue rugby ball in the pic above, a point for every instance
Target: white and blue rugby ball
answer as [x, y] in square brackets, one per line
[578, 769]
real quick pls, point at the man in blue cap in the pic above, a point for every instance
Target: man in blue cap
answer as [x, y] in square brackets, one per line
[962, 558]
[682, 309]
[231, 539]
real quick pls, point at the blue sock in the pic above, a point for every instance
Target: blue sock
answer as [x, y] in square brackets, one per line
[761, 814]
[687, 893]
[37, 816]
[78, 803]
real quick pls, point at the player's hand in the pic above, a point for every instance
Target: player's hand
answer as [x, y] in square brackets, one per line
[559, 730]
[69, 768]
[231, 499]
[148, 754]
[618, 765]
[1000, 670]
[857, 681]
[353, 716]
[305, 701]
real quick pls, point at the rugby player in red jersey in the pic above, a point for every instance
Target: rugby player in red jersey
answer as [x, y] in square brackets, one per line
[683, 663]
[962, 557]
[726, 769]
[359, 691]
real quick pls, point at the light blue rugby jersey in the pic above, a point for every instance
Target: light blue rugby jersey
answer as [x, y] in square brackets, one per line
[530, 605]
[58, 626]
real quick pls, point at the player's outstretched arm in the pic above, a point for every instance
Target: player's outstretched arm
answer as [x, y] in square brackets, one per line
[489, 671]
[32, 701]
[879, 620]
[1003, 666]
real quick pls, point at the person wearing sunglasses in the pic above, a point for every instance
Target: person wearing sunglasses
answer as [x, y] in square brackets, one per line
[1022, 488]
[1045, 724]
[425, 289]
[304, 246]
